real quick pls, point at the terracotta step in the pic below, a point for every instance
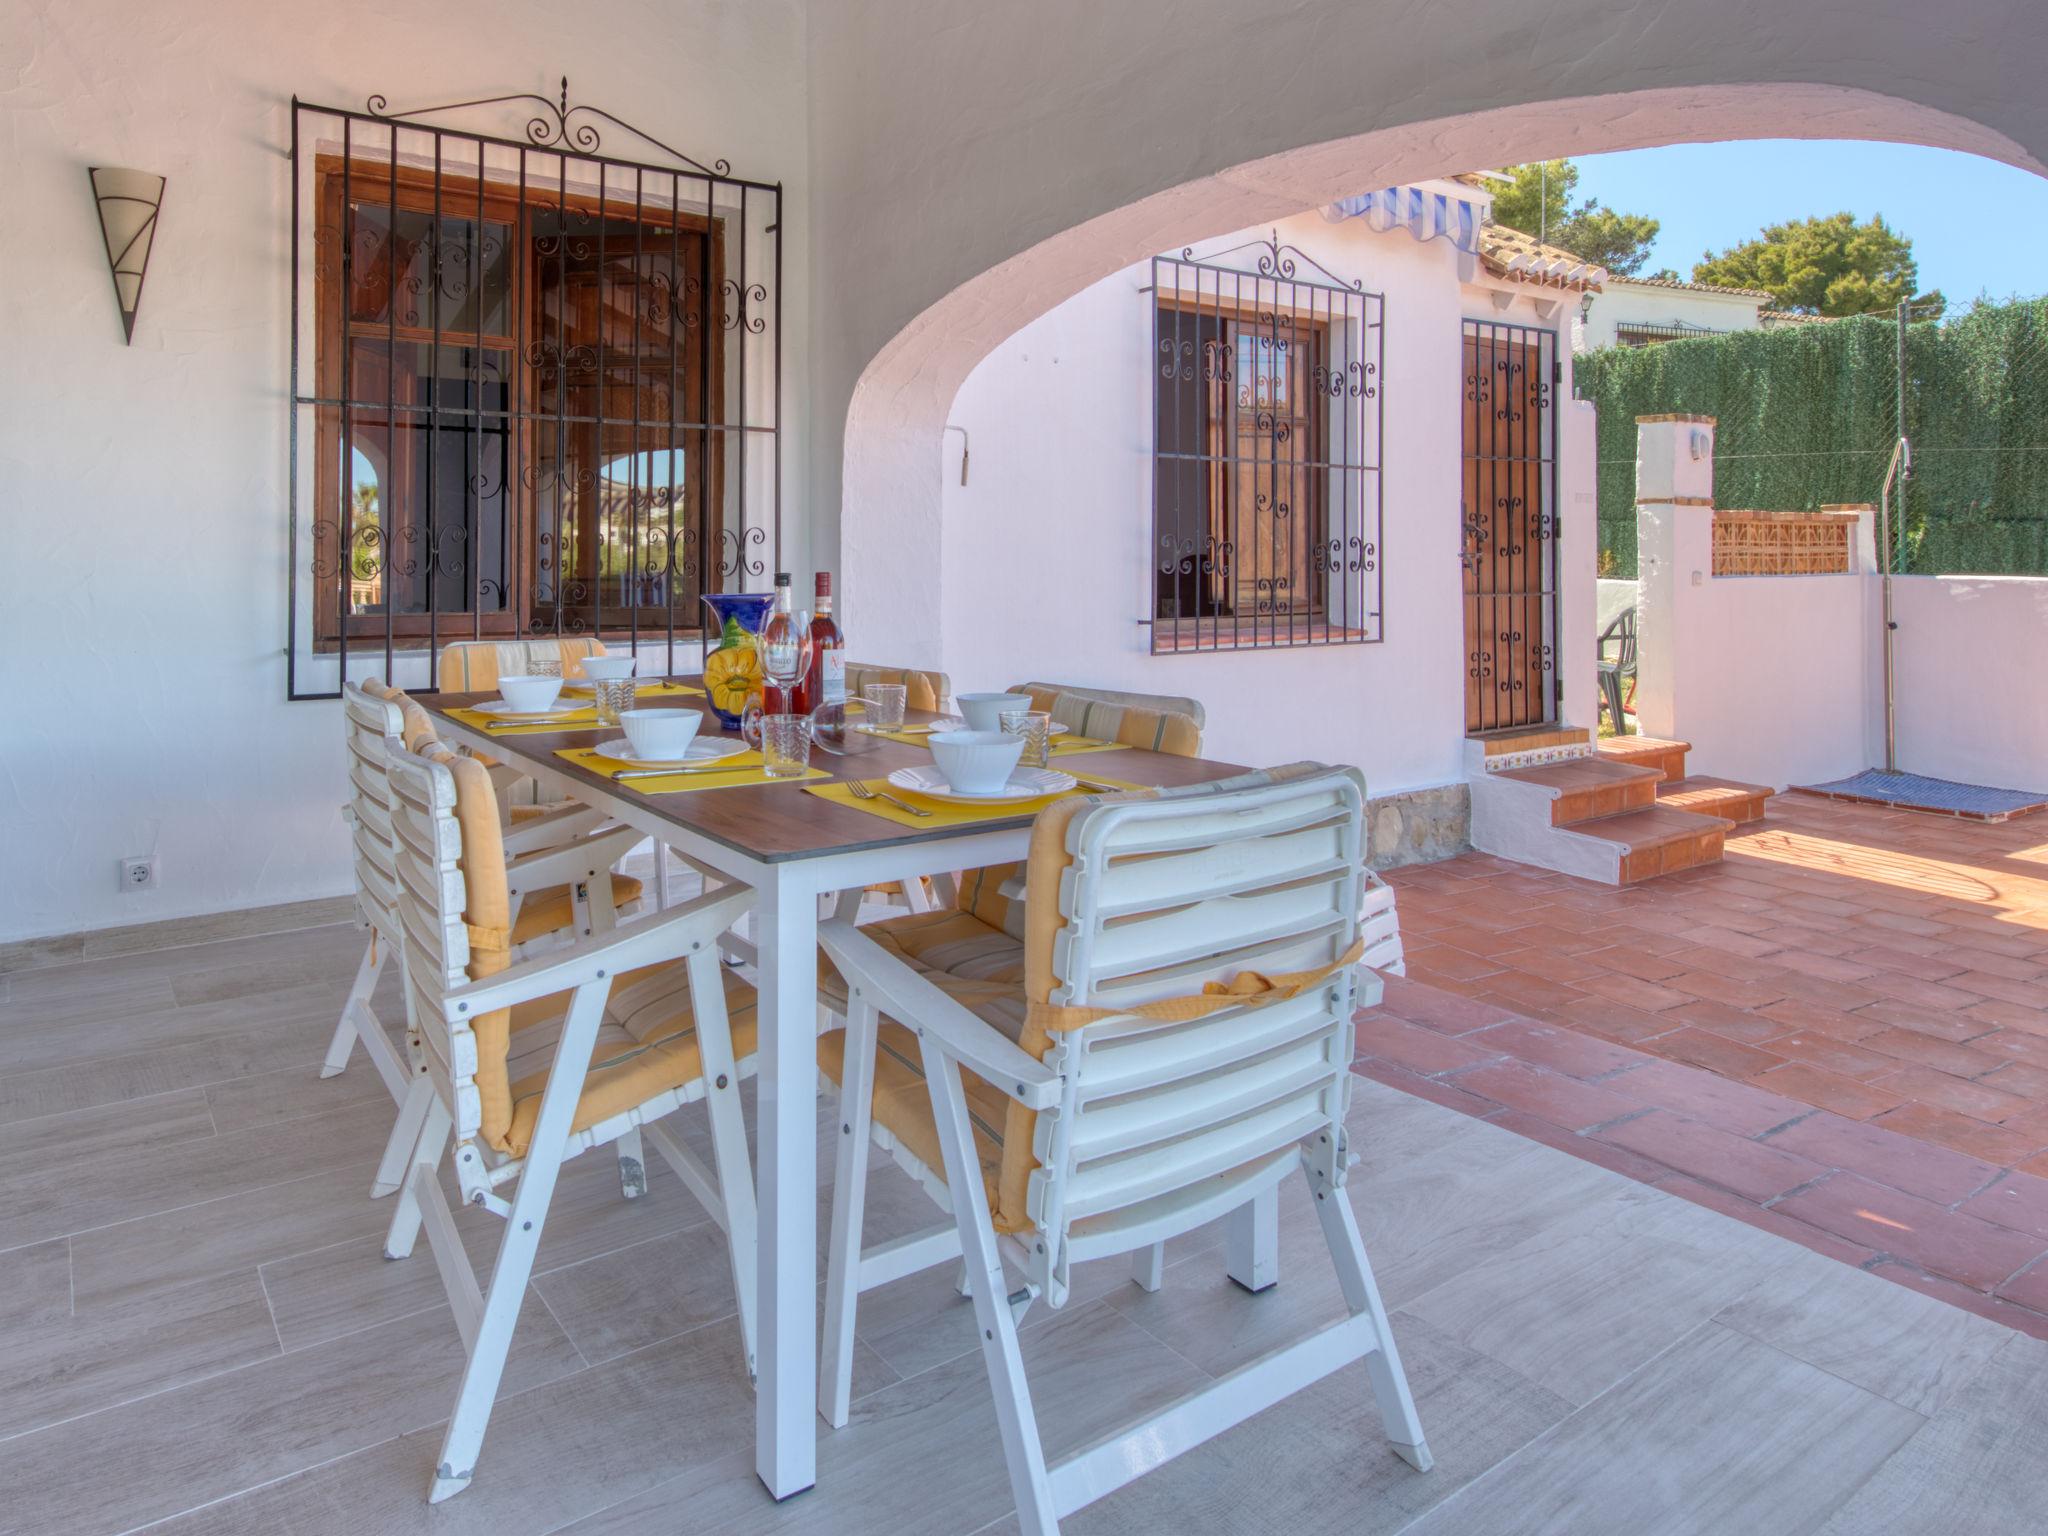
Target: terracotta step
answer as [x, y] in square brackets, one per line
[1707, 796]
[1648, 752]
[1657, 841]
[1585, 787]
[1534, 738]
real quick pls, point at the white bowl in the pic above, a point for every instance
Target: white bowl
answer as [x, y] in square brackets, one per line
[976, 762]
[660, 735]
[985, 711]
[600, 668]
[530, 695]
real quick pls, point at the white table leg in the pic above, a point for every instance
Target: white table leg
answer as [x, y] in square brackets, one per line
[785, 1392]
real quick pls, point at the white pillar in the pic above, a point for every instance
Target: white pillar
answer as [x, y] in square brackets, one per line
[1674, 554]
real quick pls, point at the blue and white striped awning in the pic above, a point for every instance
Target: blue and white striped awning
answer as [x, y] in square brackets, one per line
[1425, 215]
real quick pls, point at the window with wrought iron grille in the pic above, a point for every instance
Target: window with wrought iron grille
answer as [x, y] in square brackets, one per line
[536, 388]
[1266, 502]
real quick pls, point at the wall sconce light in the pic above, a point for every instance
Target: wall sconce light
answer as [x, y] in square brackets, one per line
[128, 202]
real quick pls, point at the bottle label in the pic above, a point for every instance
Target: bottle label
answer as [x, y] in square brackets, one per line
[781, 658]
[834, 677]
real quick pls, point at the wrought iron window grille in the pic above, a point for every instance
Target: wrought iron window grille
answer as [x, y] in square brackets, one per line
[1267, 506]
[536, 387]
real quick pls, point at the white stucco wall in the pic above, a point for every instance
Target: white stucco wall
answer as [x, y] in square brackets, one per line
[1972, 678]
[1045, 552]
[1615, 596]
[1622, 302]
[142, 489]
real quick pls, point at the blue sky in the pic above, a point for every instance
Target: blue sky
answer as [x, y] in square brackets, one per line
[1977, 226]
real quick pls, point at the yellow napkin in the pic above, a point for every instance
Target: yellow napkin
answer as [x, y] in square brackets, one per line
[490, 725]
[944, 813]
[737, 771]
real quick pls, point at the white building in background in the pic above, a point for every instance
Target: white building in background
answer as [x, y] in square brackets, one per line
[1640, 311]
[1162, 464]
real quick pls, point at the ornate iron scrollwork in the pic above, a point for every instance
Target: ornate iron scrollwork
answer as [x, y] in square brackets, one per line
[555, 126]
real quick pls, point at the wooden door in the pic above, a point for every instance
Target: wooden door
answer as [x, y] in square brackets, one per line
[1508, 552]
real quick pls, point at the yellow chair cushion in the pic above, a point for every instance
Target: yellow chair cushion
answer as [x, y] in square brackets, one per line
[492, 935]
[1155, 730]
[1132, 725]
[552, 907]
[474, 666]
[647, 1046]
[922, 690]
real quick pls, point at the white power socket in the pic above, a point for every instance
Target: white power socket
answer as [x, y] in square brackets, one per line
[139, 874]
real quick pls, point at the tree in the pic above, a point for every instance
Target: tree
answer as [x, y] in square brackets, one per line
[1539, 202]
[1825, 266]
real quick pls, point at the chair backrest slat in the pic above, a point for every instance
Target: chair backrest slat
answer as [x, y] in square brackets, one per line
[1160, 896]
[372, 725]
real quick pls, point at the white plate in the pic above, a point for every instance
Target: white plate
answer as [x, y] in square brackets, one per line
[955, 723]
[1025, 784]
[503, 711]
[702, 750]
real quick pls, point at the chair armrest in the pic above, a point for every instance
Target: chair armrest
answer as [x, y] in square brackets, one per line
[913, 1001]
[553, 829]
[649, 940]
[581, 860]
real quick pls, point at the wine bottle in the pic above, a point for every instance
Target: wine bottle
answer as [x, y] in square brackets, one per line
[824, 680]
[781, 651]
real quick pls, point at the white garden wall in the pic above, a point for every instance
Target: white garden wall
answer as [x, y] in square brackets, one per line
[142, 489]
[1046, 550]
[1972, 678]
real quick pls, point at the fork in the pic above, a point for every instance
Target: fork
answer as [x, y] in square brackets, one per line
[860, 791]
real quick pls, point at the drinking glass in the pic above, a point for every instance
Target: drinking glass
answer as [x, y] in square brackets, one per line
[885, 704]
[544, 668]
[612, 694]
[1035, 726]
[785, 745]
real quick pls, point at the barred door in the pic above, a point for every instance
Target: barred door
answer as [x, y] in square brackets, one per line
[1509, 547]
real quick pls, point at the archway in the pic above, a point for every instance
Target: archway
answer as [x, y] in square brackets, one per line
[889, 529]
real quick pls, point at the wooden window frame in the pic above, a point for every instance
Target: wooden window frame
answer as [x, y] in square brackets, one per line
[417, 188]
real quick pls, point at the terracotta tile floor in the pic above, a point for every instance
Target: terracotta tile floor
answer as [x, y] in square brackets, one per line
[1839, 1033]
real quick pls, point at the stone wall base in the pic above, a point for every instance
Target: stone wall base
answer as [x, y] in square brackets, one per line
[1420, 826]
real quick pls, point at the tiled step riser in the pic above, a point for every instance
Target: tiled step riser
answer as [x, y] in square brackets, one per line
[1738, 808]
[1669, 858]
[1588, 804]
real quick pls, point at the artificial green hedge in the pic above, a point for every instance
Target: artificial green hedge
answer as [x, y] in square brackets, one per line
[1807, 417]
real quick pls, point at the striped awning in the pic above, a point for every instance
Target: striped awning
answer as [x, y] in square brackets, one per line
[1425, 215]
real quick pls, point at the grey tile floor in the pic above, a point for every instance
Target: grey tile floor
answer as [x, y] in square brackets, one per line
[198, 1333]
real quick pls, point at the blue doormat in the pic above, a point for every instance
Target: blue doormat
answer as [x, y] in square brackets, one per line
[1911, 792]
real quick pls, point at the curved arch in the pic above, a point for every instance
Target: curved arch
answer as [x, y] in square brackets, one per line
[895, 409]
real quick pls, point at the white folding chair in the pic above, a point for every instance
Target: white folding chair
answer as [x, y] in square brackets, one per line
[531, 1063]
[1179, 1046]
[565, 888]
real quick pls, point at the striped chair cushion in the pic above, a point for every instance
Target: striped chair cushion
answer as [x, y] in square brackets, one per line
[922, 690]
[1124, 718]
[474, 666]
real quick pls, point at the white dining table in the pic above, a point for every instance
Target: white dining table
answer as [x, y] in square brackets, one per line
[791, 848]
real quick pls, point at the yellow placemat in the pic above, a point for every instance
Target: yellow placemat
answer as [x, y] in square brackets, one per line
[661, 690]
[943, 813]
[490, 725]
[734, 772]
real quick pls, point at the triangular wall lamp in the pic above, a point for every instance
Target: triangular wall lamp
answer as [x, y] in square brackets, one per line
[128, 201]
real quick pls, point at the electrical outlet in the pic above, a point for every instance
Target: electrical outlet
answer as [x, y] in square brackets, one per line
[139, 874]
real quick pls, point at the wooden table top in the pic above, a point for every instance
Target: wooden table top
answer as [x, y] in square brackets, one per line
[778, 822]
